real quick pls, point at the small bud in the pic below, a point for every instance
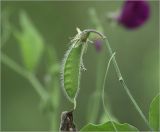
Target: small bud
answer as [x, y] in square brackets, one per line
[98, 44]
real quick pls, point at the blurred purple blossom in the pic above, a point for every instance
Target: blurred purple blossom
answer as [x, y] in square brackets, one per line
[98, 44]
[134, 13]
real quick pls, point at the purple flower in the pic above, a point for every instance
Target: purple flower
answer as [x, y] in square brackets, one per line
[134, 13]
[98, 44]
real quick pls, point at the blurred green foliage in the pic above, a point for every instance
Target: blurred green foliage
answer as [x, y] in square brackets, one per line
[30, 41]
[54, 23]
[154, 113]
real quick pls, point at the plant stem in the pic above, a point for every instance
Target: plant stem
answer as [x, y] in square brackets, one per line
[54, 94]
[104, 82]
[121, 80]
[98, 24]
[119, 75]
[29, 76]
[93, 109]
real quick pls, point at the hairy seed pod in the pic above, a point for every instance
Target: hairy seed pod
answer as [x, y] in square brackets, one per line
[71, 70]
[73, 63]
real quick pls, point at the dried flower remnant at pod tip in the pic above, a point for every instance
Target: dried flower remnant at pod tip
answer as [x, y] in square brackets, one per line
[134, 13]
[83, 35]
[97, 41]
[67, 123]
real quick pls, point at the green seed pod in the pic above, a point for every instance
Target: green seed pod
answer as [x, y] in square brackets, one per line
[71, 70]
[73, 63]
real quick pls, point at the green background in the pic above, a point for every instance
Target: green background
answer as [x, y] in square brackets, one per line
[136, 52]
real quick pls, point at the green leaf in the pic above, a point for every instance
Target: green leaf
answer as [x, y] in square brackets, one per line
[30, 42]
[109, 127]
[154, 113]
[103, 118]
[71, 70]
[52, 78]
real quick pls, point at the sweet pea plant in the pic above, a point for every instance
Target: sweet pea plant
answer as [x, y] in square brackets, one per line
[73, 65]
[32, 48]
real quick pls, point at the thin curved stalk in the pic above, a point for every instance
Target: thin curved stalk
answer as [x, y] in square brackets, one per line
[104, 82]
[121, 80]
[96, 97]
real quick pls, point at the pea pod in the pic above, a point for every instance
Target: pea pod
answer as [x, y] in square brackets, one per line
[71, 72]
[73, 63]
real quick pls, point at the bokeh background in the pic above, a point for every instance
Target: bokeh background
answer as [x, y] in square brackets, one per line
[136, 52]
